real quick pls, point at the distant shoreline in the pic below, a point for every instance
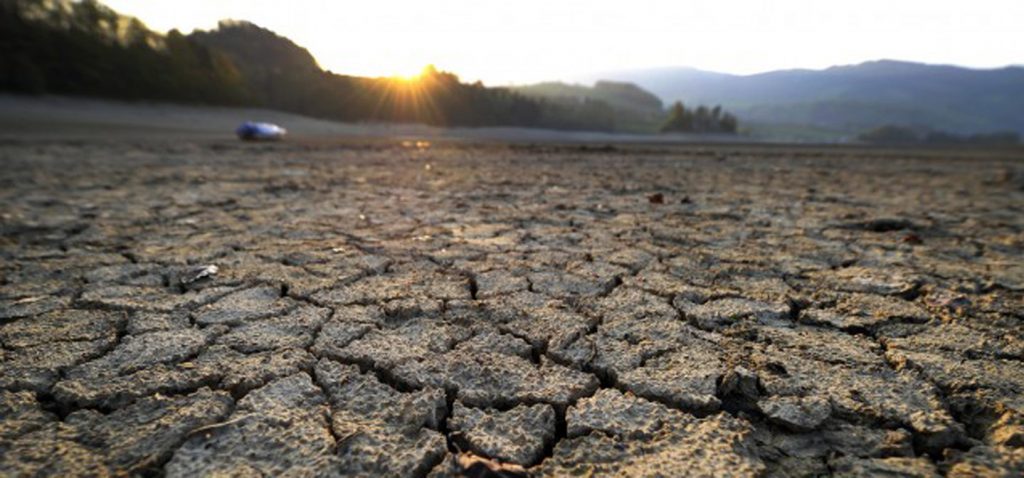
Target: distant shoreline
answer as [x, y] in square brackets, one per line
[51, 116]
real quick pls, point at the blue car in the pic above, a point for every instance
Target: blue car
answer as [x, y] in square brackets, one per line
[255, 131]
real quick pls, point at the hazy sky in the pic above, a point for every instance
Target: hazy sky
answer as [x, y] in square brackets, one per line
[521, 41]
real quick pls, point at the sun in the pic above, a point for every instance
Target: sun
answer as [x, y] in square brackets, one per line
[413, 75]
[406, 78]
[409, 74]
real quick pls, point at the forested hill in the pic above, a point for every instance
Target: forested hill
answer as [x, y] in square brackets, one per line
[283, 75]
[618, 95]
[256, 50]
[625, 106]
[84, 48]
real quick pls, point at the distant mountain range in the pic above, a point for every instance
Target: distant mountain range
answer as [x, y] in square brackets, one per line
[847, 100]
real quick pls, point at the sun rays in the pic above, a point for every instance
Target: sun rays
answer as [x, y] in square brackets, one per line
[414, 75]
[415, 97]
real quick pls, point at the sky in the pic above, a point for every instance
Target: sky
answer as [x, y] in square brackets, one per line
[526, 41]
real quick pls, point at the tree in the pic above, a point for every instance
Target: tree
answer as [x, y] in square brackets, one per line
[728, 123]
[679, 119]
[700, 120]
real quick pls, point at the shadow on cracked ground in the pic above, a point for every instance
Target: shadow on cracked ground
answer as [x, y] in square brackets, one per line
[314, 309]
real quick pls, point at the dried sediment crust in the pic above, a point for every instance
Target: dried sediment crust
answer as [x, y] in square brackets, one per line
[313, 309]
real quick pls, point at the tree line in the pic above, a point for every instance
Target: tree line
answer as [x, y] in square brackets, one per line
[85, 48]
[699, 120]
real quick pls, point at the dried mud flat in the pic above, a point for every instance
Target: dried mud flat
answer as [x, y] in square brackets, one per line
[202, 308]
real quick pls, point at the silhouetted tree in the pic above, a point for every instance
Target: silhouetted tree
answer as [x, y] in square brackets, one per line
[700, 120]
[728, 123]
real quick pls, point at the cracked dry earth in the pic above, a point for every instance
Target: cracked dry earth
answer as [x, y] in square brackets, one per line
[206, 308]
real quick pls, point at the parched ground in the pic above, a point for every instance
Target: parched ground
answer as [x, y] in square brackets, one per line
[203, 308]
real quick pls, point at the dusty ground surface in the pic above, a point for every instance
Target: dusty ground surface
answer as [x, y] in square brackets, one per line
[201, 308]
